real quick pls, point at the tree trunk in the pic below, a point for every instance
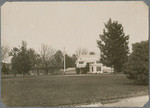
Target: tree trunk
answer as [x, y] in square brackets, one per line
[14, 74]
[37, 71]
[23, 73]
[46, 71]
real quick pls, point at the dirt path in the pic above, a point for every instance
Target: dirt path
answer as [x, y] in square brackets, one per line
[128, 102]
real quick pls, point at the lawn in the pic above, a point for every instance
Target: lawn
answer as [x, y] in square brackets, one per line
[65, 90]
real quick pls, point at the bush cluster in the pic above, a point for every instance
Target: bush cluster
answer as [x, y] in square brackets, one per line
[82, 70]
[77, 70]
[136, 68]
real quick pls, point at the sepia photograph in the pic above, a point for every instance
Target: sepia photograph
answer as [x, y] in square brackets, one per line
[74, 54]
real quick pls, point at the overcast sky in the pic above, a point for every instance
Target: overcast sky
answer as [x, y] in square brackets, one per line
[70, 24]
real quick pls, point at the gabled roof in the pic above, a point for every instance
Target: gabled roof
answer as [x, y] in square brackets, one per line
[88, 58]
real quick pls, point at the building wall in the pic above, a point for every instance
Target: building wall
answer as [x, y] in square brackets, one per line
[81, 65]
[93, 65]
[104, 69]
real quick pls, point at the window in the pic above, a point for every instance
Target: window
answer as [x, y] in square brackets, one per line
[98, 68]
[81, 62]
[97, 61]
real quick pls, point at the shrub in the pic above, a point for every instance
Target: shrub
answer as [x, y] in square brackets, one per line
[77, 70]
[83, 70]
[87, 68]
[136, 68]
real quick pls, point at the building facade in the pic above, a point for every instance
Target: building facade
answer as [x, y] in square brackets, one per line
[93, 62]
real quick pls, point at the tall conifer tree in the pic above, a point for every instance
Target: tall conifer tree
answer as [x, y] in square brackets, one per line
[113, 45]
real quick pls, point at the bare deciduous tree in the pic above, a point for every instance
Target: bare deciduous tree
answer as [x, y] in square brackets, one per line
[4, 52]
[81, 51]
[47, 54]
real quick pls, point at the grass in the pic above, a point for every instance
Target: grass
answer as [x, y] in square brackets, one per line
[65, 90]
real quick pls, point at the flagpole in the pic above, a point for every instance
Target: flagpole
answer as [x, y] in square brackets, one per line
[64, 61]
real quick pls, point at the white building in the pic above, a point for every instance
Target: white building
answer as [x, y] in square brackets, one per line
[94, 65]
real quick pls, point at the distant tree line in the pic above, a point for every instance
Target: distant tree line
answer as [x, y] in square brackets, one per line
[24, 59]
